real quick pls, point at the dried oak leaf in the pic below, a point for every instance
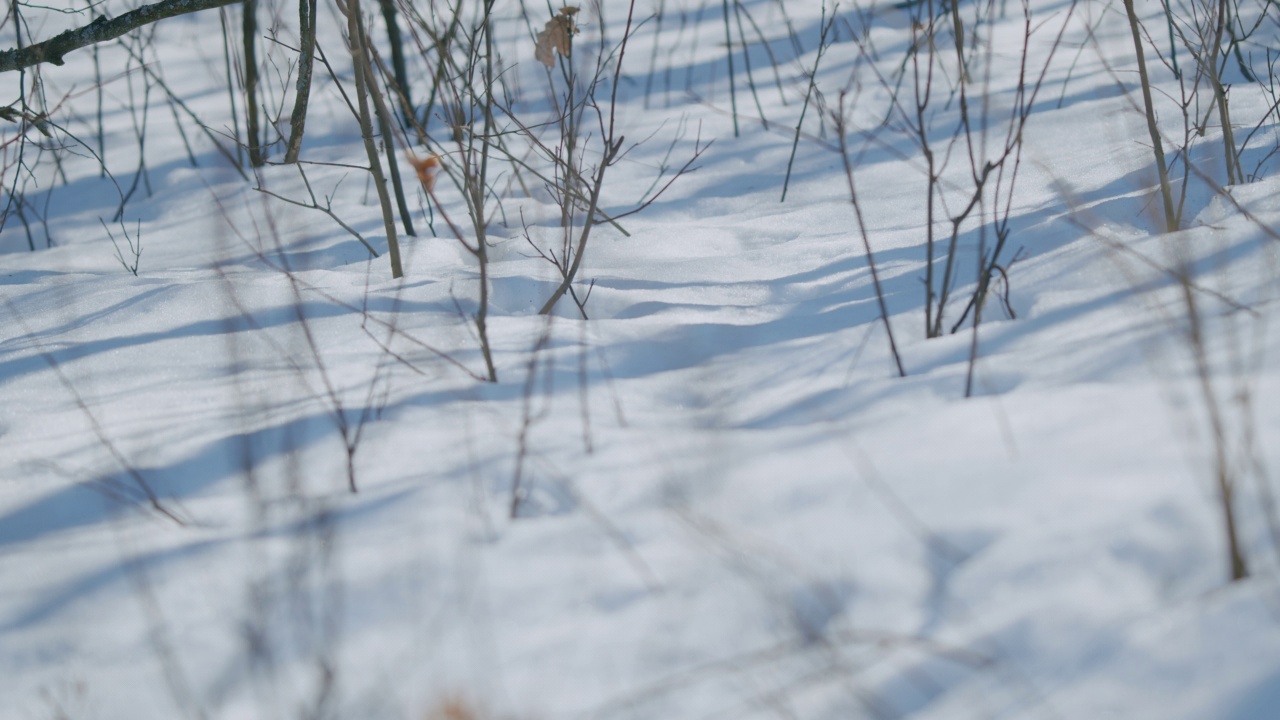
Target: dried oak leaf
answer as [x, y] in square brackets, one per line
[427, 168]
[556, 37]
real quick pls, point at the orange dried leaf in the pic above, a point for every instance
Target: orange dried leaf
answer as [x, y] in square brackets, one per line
[454, 709]
[427, 169]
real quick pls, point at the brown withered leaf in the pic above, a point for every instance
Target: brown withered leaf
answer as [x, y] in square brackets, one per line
[427, 168]
[556, 37]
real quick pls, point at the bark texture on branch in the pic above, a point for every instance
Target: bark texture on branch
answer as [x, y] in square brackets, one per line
[100, 30]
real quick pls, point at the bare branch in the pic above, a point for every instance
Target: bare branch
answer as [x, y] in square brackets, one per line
[100, 30]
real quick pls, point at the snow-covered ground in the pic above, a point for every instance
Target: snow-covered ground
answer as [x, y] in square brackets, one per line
[730, 505]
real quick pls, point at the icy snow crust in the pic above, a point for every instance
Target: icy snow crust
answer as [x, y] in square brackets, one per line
[732, 506]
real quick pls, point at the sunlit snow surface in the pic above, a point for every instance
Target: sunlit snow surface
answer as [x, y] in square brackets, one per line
[731, 506]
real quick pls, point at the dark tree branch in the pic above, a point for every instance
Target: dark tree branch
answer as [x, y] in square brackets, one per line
[100, 30]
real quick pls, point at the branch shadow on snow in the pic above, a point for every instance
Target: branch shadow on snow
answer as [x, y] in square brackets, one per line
[282, 315]
[104, 497]
[81, 589]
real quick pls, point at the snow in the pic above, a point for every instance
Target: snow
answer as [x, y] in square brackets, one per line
[731, 504]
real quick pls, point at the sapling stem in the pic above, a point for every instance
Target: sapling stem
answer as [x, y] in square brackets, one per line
[364, 80]
[1157, 147]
